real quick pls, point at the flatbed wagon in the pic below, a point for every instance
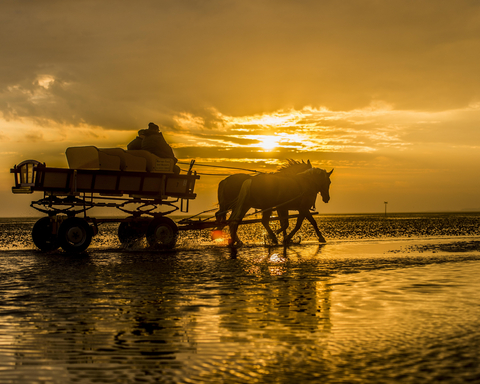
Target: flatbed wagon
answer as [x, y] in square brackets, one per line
[137, 183]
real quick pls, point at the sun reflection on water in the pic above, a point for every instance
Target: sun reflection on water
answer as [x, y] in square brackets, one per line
[279, 264]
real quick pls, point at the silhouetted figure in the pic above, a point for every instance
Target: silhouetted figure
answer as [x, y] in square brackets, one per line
[136, 143]
[156, 144]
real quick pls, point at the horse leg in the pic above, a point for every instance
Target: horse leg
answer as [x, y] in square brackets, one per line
[283, 216]
[221, 217]
[300, 218]
[221, 214]
[233, 226]
[266, 224]
[312, 221]
[239, 210]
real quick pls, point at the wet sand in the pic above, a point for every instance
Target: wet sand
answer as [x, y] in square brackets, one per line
[355, 310]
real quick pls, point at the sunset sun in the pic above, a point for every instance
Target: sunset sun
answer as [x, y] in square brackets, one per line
[268, 143]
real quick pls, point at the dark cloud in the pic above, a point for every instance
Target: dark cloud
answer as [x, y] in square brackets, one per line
[227, 139]
[119, 64]
[34, 137]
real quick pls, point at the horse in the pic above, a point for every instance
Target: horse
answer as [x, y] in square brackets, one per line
[270, 192]
[229, 188]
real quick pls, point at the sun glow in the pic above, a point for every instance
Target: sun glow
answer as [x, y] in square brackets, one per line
[268, 143]
[299, 131]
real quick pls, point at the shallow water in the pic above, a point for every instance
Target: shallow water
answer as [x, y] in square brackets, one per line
[357, 309]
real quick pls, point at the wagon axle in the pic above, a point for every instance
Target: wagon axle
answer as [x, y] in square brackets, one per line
[74, 234]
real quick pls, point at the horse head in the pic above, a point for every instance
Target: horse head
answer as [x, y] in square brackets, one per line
[321, 181]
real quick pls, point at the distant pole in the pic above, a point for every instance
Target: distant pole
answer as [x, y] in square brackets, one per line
[385, 202]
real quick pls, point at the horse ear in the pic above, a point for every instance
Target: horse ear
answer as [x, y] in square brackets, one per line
[308, 162]
[329, 173]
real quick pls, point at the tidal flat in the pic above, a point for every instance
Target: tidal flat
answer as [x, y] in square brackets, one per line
[386, 299]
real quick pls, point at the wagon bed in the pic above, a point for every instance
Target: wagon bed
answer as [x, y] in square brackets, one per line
[140, 184]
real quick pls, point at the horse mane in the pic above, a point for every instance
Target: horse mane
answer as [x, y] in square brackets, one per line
[291, 166]
[314, 171]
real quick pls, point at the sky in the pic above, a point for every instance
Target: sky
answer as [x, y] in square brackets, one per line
[386, 93]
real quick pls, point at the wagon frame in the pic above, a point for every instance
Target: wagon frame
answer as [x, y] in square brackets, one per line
[68, 194]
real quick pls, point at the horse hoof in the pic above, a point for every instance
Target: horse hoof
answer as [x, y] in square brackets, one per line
[296, 240]
[267, 240]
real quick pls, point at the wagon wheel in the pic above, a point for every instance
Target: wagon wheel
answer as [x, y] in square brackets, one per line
[74, 235]
[43, 237]
[131, 231]
[162, 232]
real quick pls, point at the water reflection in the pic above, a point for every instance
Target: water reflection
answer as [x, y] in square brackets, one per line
[254, 314]
[277, 263]
[87, 310]
[107, 307]
[276, 297]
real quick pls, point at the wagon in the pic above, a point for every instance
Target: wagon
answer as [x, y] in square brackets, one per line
[138, 183]
[141, 185]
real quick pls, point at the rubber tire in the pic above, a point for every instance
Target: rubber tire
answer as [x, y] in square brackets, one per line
[131, 231]
[162, 233]
[75, 235]
[43, 237]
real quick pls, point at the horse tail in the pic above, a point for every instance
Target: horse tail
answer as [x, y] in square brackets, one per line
[221, 214]
[243, 195]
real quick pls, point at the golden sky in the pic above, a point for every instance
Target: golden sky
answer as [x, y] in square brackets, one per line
[385, 92]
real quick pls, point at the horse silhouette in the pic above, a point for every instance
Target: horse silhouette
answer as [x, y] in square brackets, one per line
[270, 192]
[229, 188]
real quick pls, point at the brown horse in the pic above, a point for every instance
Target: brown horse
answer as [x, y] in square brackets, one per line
[272, 192]
[229, 188]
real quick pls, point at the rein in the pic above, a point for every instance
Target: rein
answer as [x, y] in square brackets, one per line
[221, 166]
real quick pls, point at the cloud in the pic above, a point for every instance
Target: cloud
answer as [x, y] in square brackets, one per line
[116, 64]
[33, 137]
